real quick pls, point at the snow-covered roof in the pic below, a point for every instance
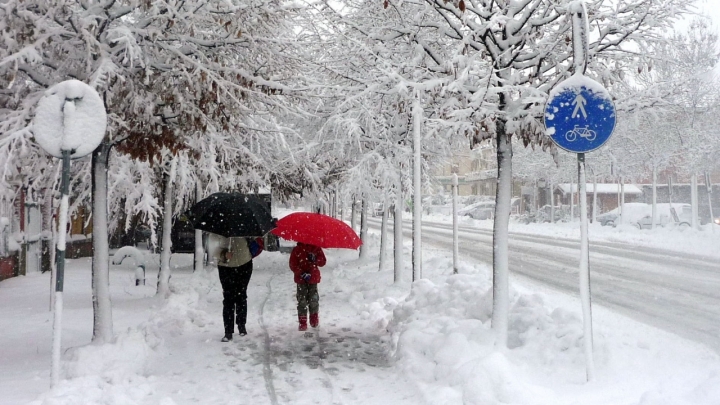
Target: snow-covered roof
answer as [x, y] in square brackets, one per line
[602, 188]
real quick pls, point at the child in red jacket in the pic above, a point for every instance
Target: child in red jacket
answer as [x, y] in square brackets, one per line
[304, 262]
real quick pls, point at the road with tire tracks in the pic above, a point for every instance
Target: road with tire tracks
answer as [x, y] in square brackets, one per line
[675, 291]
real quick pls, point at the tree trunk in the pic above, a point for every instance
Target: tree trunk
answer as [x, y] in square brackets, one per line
[618, 199]
[622, 197]
[501, 287]
[552, 204]
[397, 231]
[163, 284]
[654, 197]
[102, 308]
[47, 221]
[708, 189]
[199, 251]
[383, 234]
[595, 204]
[572, 201]
[352, 213]
[363, 228]
[48, 215]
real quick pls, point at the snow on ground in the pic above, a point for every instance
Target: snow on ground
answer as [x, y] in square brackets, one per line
[378, 343]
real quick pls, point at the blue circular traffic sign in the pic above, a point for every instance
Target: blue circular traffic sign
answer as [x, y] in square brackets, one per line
[579, 114]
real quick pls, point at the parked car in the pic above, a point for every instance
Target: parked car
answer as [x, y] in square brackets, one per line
[640, 215]
[679, 215]
[609, 218]
[479, 210]
[437, 204]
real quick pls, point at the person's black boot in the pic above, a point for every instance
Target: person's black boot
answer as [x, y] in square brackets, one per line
[241, 330]
[227, 338]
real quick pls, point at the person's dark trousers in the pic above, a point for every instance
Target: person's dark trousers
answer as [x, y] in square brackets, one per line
[234, 281]
[307, 298]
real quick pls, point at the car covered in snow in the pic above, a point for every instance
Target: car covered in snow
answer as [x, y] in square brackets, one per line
[640, 215]
[479, 210]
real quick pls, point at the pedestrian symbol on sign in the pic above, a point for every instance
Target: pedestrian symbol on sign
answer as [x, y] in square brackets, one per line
[579, 103]
[579, 114]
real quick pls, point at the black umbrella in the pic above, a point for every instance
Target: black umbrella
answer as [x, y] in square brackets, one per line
[232, 214]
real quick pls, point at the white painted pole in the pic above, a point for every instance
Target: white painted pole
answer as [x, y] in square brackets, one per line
[59, 280]
[417, 194]
[455, 222]
[694, 200]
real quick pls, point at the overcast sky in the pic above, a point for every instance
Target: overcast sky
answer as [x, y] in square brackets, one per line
[710, 8]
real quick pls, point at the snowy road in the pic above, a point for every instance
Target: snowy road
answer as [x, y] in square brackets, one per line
[675, 291]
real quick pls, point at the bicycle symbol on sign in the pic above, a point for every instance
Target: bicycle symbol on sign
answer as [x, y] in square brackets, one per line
[584, 132]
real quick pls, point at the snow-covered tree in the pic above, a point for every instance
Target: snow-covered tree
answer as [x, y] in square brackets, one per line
[495, 61]
[166, 70]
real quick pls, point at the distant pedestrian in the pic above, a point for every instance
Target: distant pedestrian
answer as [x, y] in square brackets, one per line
[305, 261]
[235, 268]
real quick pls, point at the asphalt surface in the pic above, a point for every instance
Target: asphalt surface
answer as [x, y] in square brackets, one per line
[674, 291]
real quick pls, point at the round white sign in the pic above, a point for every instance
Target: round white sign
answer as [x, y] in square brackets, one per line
[70, 117]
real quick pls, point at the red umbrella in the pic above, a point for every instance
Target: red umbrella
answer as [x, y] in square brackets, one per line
[317, 229]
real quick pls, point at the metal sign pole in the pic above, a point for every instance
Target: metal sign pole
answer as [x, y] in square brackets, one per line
[580, 117]
[69, 123]
[585, 270]
[60, 257]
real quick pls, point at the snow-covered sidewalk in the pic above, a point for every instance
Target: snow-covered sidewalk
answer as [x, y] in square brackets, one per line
[378, 343]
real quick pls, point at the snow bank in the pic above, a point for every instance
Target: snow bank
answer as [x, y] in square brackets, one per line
[117, 373]
[443, 337]
[134, 390]
[105, 374]
[127, 355]
[443, 341]
[183, 311]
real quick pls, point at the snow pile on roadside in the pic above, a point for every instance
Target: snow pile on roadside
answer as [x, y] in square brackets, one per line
[443, 338]
[128, 354]
[110, 374]
[443, 341]
[116, 373]
[183, 311]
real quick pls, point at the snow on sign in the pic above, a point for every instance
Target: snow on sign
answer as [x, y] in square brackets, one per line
[70, 116]
[579, 114]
